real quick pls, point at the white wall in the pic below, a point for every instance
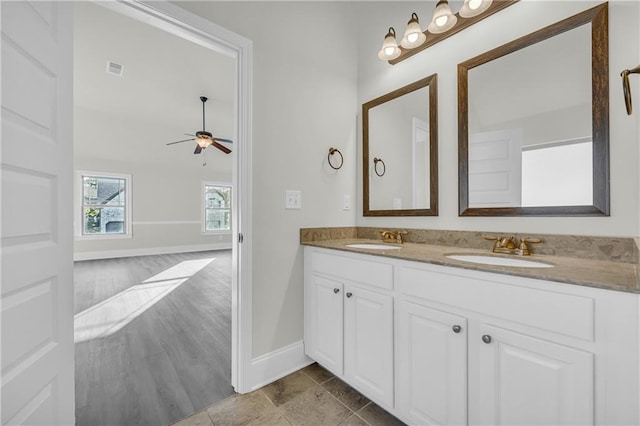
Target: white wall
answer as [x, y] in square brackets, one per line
[166, 183]
[304, 102]
[376, 77]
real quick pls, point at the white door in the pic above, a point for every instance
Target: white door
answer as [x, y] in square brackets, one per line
[528, 381]
[324, 322]
[368, 343]
[495, 169]
[432, 365]
[36, 169]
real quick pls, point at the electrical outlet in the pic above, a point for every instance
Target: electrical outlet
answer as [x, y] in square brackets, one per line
[397, 203]
[293, 199]
[346, 202]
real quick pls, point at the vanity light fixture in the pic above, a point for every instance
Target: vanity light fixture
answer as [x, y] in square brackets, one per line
[472, 8]
[444, 24]
[413, 35]
[443, 19]
[390, 49]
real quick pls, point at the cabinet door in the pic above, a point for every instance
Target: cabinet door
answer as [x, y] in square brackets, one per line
[369, 343]
[432, 365]
[525, 380]
[323, 336]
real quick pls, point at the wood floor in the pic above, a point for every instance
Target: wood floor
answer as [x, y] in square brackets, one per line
[172, 358]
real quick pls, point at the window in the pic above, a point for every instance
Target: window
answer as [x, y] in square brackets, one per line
[216, 212]
[105, 206]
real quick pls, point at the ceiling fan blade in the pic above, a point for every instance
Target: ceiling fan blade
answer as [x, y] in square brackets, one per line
[198, 149]
[221, 147]
[223, 140]
[189, 134]
[185, 140]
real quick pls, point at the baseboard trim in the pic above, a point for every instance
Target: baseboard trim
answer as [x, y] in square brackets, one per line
[110, 254]
[270, 367]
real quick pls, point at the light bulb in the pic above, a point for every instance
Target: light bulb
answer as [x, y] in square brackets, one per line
[472, 8]
[441, 21]
[389, 49]
[474, 4]
[413, 35]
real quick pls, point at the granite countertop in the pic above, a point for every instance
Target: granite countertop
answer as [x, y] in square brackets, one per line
[619, 276]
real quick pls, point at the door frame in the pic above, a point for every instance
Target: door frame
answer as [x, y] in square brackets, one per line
[184, 24]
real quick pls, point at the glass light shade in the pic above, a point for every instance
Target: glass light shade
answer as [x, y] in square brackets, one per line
[443, 20]
[203, 142]
[472, 8]
[389, 49]
[413, 35]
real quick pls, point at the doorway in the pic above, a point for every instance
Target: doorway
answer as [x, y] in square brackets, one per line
[166, 182]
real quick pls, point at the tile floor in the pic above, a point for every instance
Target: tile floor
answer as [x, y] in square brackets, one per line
[311, 396]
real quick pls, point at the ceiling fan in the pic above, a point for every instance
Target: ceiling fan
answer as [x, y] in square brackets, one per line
[204, 139]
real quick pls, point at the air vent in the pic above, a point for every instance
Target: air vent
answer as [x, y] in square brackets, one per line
[114, 68]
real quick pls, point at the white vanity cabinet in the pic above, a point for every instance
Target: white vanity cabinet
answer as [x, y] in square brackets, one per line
[439, 345]
[349, 321]
[432, 365]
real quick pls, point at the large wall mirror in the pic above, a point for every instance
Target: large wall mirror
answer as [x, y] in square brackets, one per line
[400, 151]
[533, 123]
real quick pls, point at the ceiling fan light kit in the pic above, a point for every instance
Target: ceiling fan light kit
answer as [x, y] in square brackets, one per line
[203, 139]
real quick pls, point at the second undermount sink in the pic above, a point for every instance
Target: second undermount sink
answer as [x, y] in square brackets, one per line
[499, 261]
[373, 246]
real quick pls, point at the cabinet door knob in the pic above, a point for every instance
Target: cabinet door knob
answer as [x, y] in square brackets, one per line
[486, 338]
[456, 328]
[349, 294]
[336, 290]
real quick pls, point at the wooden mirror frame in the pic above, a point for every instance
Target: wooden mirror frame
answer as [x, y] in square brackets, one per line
[432, 83]
[598, 18]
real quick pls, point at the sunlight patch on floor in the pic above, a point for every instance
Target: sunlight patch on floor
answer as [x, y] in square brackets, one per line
[113, 314]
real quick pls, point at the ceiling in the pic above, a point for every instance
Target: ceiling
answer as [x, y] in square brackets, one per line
[163, 78]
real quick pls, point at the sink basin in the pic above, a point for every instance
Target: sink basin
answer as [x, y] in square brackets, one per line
[499, 261]
[373, 246]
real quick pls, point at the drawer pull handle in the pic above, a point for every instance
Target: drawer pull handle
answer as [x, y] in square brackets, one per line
[456, 328]
[349, 294]
[336, 290]
[486, 338]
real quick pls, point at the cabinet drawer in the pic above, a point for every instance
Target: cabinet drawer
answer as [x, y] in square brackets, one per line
[354, 269]
[556, 312]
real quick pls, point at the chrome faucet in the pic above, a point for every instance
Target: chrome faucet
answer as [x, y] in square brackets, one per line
[509, 245]
[393, 236]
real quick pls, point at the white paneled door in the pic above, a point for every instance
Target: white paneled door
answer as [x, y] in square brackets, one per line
[36, 295]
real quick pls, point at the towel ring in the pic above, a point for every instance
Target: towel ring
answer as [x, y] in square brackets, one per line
[626, 87]
[376, 161]
[331, 152]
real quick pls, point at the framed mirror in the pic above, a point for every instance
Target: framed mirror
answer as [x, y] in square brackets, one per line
[400, 151]
[533, 123]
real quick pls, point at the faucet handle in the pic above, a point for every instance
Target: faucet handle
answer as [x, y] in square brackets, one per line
[531, 240]
[524, 248]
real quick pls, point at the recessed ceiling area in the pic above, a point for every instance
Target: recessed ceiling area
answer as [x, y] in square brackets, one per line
[157, 99]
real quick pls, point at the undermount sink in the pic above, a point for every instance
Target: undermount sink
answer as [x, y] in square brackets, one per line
[373, 246]
[499, 261]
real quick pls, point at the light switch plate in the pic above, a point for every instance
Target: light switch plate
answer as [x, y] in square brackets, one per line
[346, 202]
[293, 199]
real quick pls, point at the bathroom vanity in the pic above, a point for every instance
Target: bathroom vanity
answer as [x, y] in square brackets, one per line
[435, 340]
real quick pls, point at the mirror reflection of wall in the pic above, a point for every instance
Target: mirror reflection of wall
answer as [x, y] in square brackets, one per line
[533, 123]
[398, 129]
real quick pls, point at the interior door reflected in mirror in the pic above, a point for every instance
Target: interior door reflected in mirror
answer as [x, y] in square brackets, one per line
[400, 151]
[534, 123]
